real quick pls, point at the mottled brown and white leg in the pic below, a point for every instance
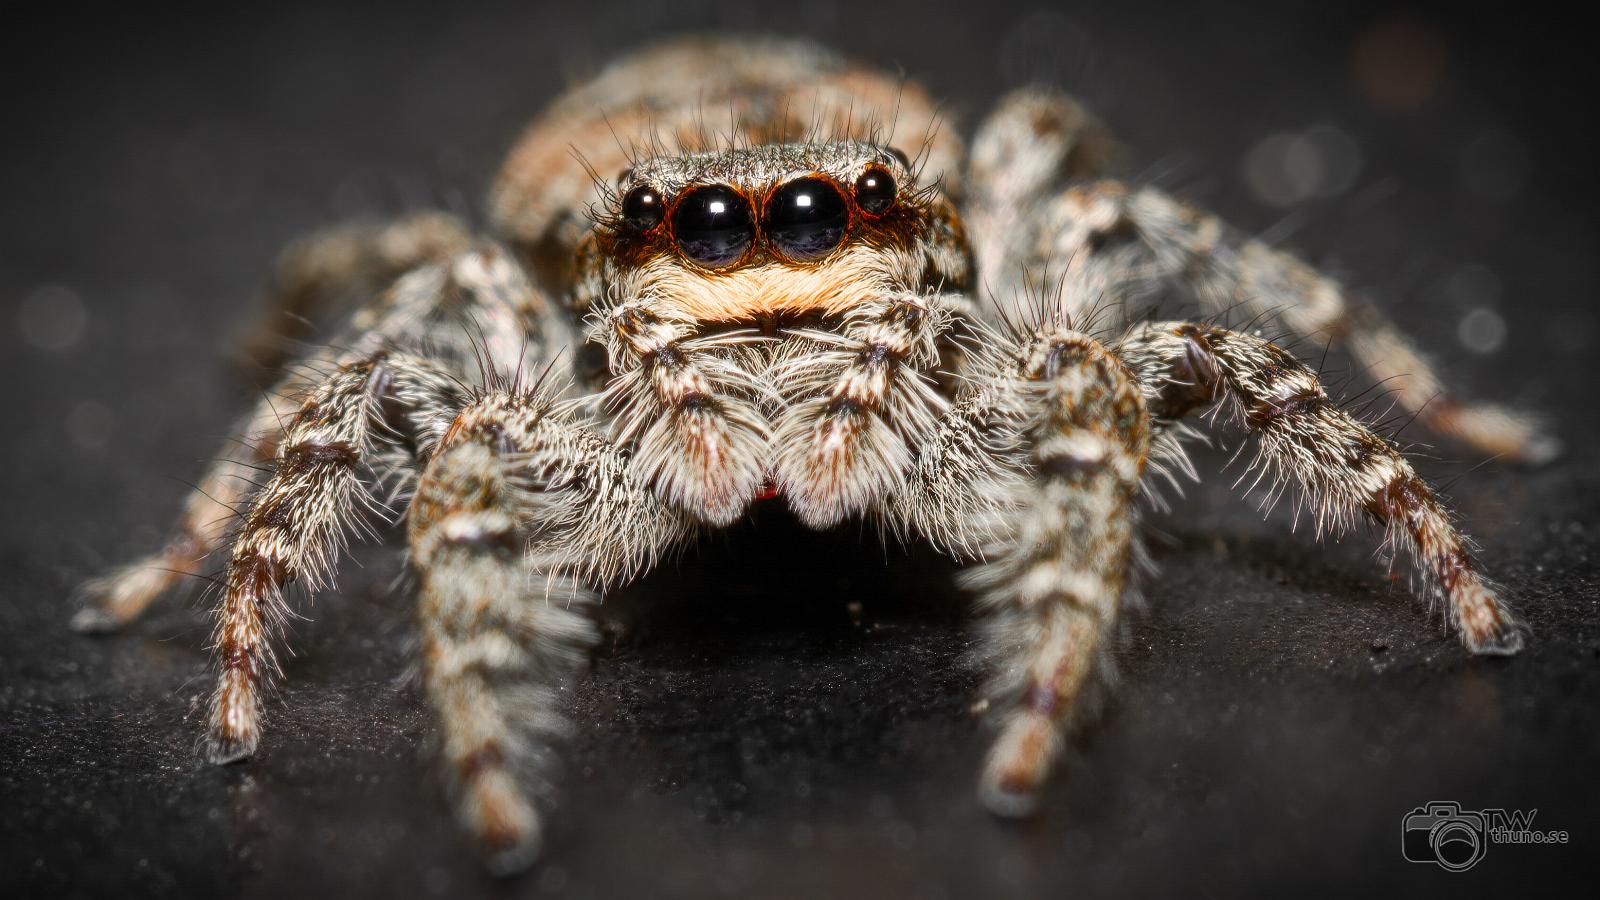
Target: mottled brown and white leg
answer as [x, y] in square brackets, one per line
[514, 516]
[1056, 583]
[121, 595]
[476, 309]
[1114, 242]
[1342, 469]
[295, 527]
[1039, 466]
[1031, 144]
[340, 268]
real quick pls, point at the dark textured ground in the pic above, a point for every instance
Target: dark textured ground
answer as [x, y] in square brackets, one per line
[1282, 706]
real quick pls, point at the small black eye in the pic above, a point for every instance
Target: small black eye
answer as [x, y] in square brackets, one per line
[875, 191]
[713, 225]
[642, 208]
[806, 218]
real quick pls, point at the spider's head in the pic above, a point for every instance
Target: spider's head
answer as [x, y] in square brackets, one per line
[766, 232]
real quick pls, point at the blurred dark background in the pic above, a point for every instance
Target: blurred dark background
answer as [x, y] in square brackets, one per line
[785, 714]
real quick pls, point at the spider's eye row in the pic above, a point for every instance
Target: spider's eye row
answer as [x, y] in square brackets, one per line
[713, 225]
[806, 218]
[643, 208]
[802, 220]
[875, 191]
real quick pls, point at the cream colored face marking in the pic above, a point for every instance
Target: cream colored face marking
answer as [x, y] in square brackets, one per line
[844, 281]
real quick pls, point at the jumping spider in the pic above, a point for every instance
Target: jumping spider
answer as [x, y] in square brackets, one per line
[797, 307]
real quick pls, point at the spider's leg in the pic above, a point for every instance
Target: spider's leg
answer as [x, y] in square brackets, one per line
[1342, 468]
[477, 302]
[379, 410]
[121, 595]
[339, 268]
[1034, 141]
[515, 511]
[295, 526]
[1119, 241]
[1039, 468]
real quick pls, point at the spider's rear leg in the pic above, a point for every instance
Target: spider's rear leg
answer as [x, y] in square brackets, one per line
[477, 301]
[1120, 241]
[119, 596]
[1341, 467]
[1034, 141]
[514, 511]
[338, 269]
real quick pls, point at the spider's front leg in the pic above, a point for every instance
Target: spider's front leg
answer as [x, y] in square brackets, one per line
[296, 524]
[1042, 463]
[515, 515]
[1341, 467]
[378, 410]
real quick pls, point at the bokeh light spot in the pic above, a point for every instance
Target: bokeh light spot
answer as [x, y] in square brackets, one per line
[1482, 331]
[52, 318]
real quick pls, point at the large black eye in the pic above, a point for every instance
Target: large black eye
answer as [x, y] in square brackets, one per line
[806, 218]
[713, 225]
[875, 191]
[642, 208]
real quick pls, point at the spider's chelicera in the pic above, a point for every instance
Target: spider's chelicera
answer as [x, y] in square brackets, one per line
[790, 310]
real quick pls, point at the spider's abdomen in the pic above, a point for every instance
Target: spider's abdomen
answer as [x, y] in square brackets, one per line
[692, 95]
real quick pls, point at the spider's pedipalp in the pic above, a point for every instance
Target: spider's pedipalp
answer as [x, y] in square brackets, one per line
[843, 439]
[1342, 468]
[692, 414]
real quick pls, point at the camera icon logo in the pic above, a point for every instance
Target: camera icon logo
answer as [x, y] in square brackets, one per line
[1444, 834]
